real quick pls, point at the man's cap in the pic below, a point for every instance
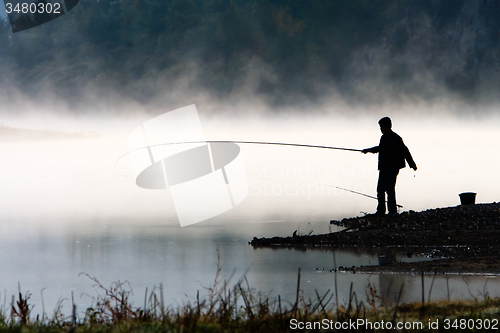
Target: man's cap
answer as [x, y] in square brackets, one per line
[385, 122]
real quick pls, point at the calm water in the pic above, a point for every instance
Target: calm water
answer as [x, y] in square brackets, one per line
[184, 261]
[64, 211]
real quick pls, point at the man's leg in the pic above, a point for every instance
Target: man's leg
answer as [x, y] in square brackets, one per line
[391, 176]
[381, 188]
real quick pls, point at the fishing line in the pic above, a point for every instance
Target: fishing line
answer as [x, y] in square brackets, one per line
[240, 142]
[365, 195]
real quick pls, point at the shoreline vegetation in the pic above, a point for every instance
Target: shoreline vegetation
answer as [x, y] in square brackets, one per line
[241, 309]
[465, 239]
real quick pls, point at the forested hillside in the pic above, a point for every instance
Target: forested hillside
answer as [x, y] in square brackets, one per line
[283, 51]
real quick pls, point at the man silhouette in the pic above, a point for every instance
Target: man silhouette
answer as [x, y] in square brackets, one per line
[392, 154]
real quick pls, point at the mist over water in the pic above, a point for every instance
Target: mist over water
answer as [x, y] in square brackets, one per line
[66, 210]
[60, 178]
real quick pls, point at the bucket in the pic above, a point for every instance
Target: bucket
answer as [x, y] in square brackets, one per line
[467, 198]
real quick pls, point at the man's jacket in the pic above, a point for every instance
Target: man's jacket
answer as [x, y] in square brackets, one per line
[392, 152]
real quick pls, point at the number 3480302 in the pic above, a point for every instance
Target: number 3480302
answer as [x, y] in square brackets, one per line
[33, 8]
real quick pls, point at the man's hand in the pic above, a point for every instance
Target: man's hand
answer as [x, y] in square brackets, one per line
[414, 167]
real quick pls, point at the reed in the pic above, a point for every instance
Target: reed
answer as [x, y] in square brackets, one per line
[228, 308]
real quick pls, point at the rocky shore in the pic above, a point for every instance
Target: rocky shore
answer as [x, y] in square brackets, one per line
[467, 238]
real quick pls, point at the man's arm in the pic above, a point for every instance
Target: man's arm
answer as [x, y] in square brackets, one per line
[408, 158]
[372, 150]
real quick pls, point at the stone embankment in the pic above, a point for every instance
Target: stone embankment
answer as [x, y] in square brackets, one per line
[468, 236]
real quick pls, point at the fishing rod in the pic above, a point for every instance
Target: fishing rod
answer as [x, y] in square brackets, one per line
[241, 142]
[365, 195]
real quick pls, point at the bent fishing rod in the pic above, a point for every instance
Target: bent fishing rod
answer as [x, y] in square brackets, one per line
[365, 195]
[240, 142]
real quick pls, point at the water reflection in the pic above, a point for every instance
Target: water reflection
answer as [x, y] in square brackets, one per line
[185, 260]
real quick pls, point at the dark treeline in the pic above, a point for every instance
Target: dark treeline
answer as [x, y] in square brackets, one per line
[284, 50]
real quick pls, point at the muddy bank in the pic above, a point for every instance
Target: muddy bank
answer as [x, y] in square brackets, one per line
[468, 237]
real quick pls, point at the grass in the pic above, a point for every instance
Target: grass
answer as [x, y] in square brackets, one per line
[238, 308]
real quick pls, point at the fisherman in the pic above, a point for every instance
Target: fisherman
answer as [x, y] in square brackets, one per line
[392, 154]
